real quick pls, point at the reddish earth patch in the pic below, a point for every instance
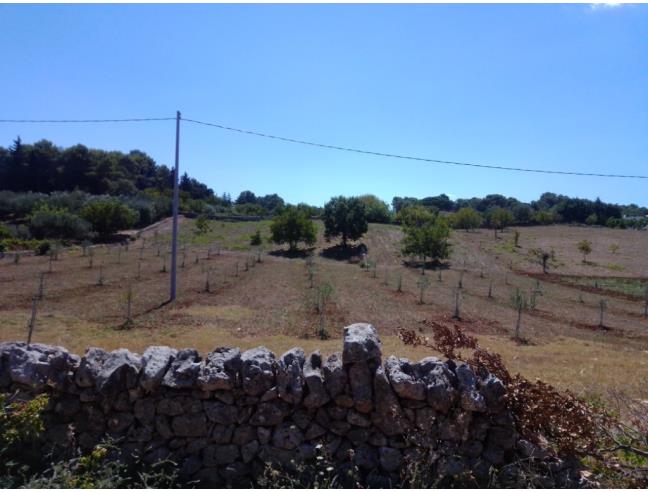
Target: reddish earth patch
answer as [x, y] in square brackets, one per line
[559, 280]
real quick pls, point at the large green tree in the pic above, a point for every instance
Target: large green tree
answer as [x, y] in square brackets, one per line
[415, 216]
[467, 218]
[293, 226]
[346, 218]
[108, 216]
[428, 240]
[377, 210]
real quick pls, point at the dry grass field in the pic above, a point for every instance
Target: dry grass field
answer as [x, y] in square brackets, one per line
[270, 302]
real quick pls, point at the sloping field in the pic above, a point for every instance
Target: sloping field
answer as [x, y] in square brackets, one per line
[271, 303]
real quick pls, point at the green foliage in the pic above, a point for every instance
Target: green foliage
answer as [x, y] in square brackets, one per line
[544, 217]
[591, 219]
[415, 216]
[377, 210]
[428, 240]
[345, 217]
[255, 239]
[108, 216]
[585, 247]
[293, 226]
[57, 224]
[250, 209]
[500, 218]
[202, 224]
[467, 218]
[5, 232]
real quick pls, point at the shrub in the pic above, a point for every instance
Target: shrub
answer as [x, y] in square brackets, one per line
[467, 218]
[377, 211]
[108, 217]
[585, 247]
[202, 224]
[415, 216]
[293, 226]
[255, 239]
[57, 224]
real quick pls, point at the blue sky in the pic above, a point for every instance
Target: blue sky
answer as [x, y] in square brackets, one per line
[543, 86]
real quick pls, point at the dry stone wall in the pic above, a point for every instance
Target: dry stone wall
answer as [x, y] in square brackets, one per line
[224, 417]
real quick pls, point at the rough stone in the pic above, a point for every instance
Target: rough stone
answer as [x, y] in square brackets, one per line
[317, 395]
[361, 344]
[360, 379]
[183, 370]
[155, 363]
[389, 416]
[358, 419]
[217, 455]
[290, 380]
[287, 436]
[257, 371]
[390, 458]
[267, 414]
[220, 369]
[119, 371]
[222, 434]
[193, 425]
[220, 413]
[249, 451]
[403, 378]
[334, 375]
[91, 363]
[144, 410]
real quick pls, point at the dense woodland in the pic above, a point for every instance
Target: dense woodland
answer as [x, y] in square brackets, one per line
[78, 193]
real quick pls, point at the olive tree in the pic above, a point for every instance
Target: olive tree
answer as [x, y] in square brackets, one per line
[428, 241]
[346, 218]
[293, 226]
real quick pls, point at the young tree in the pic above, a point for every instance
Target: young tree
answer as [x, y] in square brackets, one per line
[428, 241]
[255, 239]
[499, 218]
[202, 224]
[345, 217]
[585, 247]
[108, 217]
[520, 302]
[467, 218]
[293, 226]
[543, 257]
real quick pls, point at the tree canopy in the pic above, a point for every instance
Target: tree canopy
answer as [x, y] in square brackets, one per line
[293, 226]
[346, 218]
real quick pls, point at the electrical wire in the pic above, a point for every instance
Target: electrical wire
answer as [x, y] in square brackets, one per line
[411, 158]
[123, 120]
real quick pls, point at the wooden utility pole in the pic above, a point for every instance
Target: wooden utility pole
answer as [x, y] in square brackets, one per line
[176, 197]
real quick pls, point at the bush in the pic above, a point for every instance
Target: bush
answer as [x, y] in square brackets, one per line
[467, 218]
[108, 217]
[415, 216]
[377, 210]
[5, 232]
[57, 224]
[255, 239]
[292, 226]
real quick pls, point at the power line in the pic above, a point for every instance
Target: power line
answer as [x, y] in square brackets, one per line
[337, 147]
[411, 158]
[123, 120]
